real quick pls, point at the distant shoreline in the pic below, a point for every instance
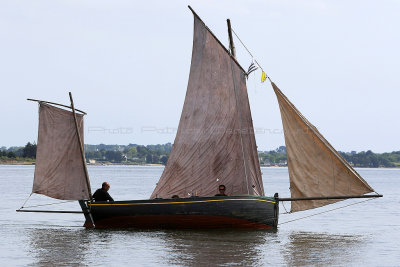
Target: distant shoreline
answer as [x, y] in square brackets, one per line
[16, 162]
[25, 163]
[141, 155]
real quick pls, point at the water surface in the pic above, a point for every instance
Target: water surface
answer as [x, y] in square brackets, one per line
[364, 234]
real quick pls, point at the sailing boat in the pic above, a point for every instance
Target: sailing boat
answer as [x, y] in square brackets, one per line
[214, 145]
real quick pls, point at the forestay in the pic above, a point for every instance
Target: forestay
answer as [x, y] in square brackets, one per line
[215, 141]
[315, 167]
[59, 170]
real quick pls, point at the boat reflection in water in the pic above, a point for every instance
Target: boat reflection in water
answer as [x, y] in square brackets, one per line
[55, 246]
[79, 247]
[306, 249]
[261, 247]
[216, 248]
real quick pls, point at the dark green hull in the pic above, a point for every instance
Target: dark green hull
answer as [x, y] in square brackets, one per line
[187, 213]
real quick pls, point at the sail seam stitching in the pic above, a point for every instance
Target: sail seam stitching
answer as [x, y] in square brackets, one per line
[240, 125]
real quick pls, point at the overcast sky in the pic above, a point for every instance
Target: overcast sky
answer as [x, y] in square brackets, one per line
[127, 64]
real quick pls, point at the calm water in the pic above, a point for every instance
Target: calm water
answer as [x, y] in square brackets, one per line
[366, 234]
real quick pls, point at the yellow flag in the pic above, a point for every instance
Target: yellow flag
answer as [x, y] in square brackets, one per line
[263, 77]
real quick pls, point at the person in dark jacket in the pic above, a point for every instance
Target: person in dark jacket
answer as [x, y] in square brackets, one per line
[221, 189]
[102, 194]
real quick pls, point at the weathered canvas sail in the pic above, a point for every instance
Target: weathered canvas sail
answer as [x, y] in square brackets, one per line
[215, 141]
[315, 167]
[59, 170]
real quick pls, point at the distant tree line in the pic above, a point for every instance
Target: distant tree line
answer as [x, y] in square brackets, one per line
[26, 152]
[129, 154]
[275, 157]
[158, 154]
[369, 159]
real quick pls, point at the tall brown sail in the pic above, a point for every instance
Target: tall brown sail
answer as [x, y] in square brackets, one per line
[59, 169]
[215, 141]
[315, 167]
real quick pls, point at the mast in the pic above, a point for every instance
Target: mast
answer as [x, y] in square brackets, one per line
[81, 148]
[231, 44]
[56, 104]
[233, 54]
[59, 162]
[215, 141]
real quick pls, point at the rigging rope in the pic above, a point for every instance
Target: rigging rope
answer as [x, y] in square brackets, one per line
[26, 201]
[327, 211]
[267, 76]
[41, 205]
[248, 51]
[243, 44]
[238, 104]
[285, 208]
[54, 203]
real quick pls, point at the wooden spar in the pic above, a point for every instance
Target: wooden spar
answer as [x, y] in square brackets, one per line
[51, 211]
[231, 44]
[208, 29]
[81, 148]
[325, 198]
[83, 204]
[61, 105]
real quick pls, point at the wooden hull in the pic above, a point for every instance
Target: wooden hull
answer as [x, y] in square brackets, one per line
[187, 213]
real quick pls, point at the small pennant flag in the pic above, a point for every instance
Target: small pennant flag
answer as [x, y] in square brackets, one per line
[252, 68]
[263, 77]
